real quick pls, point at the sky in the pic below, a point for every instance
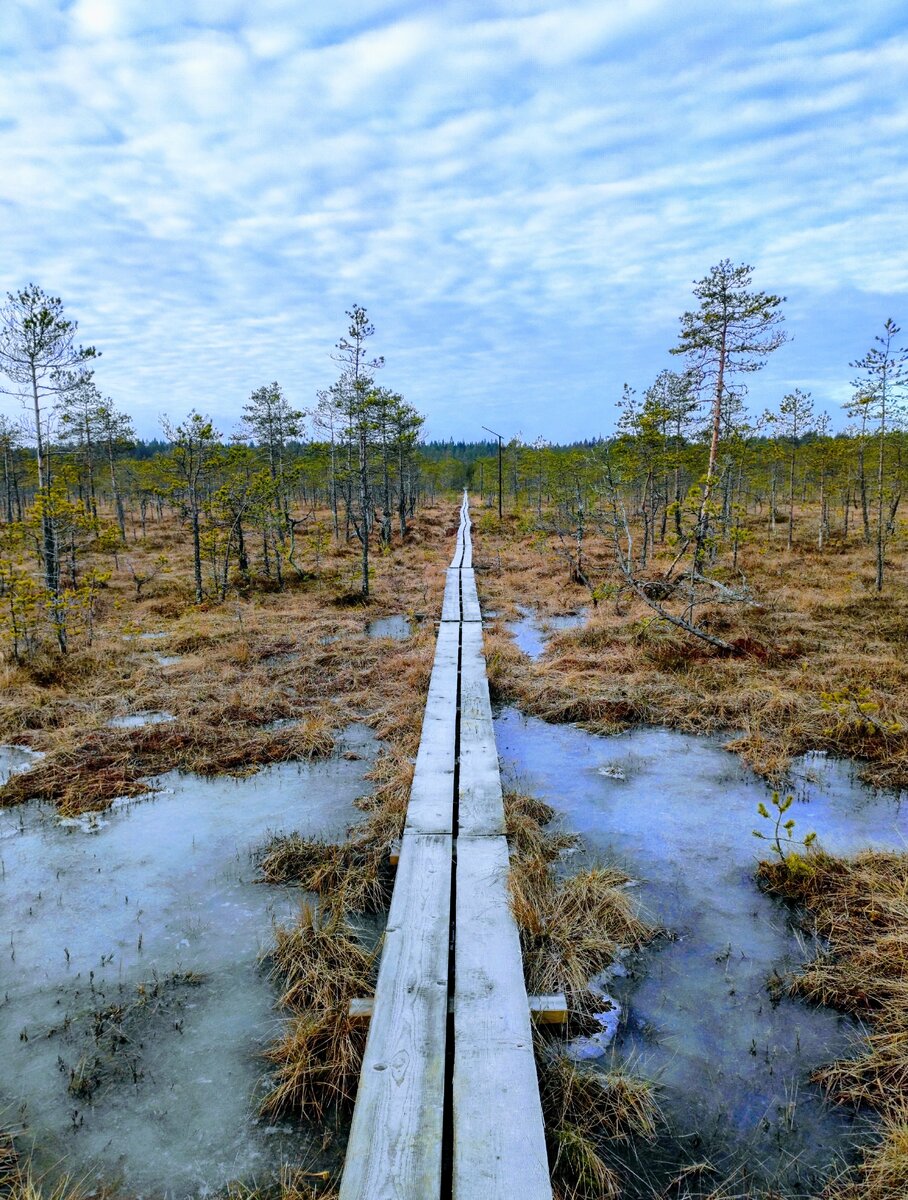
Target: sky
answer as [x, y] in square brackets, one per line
[521, 194]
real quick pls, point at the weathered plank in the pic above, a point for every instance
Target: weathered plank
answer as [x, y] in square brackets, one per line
[450, 605]
[469, 601]
[499, 1140]
[545, 1010]
[395, 1146]
[480, 798]
[432, 792]
[394, 1150]
[466, 526]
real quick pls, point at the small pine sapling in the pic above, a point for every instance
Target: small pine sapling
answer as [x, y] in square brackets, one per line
[783, 833]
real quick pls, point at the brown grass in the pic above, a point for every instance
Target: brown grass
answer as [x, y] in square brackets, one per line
[321, 967]
[261, 656]
[353, 876]
[319, 962]
[296, 1183]
[316, 1064]
[570, 928]
[585, 1110]
[860, 907]
[821, 662]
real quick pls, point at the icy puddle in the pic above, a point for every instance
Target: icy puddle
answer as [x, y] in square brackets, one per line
[397, 628]
[532, 632]
[138, 720]
[14, 759]
[695, 1014]
[133, 1010]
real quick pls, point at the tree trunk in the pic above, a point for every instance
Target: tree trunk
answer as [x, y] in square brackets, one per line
[880, 478]
[862, 488]
[196, 548]
[364, 501]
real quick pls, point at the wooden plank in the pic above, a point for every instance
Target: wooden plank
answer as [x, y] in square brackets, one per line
[469, 602]
[499, 1140]
[480, 797]
[431, 806]
[394, 1150]
[466, 560]
[544, 1010]
[450, 607]
[548, 1010]
[474, 701]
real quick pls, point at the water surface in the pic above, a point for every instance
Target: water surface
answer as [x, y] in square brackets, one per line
[134, 1011]
[397, 628]
[137, 720]
[532, 632]
[697, 1013]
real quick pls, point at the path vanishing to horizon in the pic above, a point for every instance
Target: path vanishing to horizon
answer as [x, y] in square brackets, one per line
[448, 1100]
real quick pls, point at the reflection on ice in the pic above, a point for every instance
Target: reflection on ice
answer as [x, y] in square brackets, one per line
[137, 720]
[397, 628]
[532, 632]
[696, 1013]
[134, 1008]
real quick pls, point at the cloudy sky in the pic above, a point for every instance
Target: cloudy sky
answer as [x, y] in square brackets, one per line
[521, 193]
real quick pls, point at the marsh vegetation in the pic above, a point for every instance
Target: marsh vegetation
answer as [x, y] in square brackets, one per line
[211, 649]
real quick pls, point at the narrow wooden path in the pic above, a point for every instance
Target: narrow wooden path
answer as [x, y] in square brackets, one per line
[448, 1100]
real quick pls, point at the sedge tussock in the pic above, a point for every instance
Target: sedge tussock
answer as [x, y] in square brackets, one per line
[860, 908]
[571, 929]
[295, 1183]
[316, 1065]
[350, 876]
[19, 1180]
[321, 968]
[585, 1110]
[319, 963]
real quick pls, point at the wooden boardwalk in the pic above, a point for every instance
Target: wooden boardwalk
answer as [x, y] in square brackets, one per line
[448, 1100]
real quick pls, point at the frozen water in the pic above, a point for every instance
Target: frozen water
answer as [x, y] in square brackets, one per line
[677, 812]
[397, 627]
[14, 759]
[137, 719]
[157, 914]
[532, 633]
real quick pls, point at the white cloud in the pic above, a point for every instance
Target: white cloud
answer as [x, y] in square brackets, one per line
[521, 192]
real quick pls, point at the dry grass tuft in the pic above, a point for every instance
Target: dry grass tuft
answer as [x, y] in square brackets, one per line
[320, 963]
[349, 877]
[529, 843]
[317, 1059]
[296, 1183]
[584, 1111]
[860, 907]
[18, 1181]
[571, 929]
[354, 876]
[317, 1062]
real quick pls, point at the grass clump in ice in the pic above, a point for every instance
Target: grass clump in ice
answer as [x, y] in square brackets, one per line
[860, 909]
